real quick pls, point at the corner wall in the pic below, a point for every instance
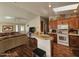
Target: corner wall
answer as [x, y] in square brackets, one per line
[34, 23]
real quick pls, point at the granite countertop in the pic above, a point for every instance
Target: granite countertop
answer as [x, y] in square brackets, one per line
[72, 34]
[42, 37]
[52, 33]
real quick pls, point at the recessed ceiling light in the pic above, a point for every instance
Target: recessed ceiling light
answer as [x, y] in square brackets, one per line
[66, 8]
[75, 11]
[8, 17]
[50, 6]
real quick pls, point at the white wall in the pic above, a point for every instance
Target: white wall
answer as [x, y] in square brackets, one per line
[34, 23]
[18, 21]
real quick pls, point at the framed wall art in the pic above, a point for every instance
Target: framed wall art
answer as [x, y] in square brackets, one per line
[7, 28]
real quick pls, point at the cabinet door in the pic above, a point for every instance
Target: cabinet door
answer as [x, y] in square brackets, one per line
[71, 23]
[51, 24]
[74, 41]
[65, 21]
[60, 21]
[77, 23]
[54, 24]
[74, 23]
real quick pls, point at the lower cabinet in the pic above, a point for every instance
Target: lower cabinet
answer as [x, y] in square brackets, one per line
[59, 50]
[64, 51]
[33, 42]
[74, 41]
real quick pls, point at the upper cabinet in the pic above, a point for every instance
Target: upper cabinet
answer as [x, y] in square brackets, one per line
[73, 22]
[53, 24]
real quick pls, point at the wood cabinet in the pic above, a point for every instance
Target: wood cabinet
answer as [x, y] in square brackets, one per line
[64, 51]
[73, 22]
[66, 22]
[33, 42]
[60, 21]
[76, 24]
[50, 24]
[54, 36]
[53, 24]
[59, 50]
[74, 41]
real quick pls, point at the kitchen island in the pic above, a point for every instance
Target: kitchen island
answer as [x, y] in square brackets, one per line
[44, 43]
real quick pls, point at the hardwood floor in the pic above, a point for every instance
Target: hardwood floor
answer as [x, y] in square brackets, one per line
[20, 51]
[24, 50]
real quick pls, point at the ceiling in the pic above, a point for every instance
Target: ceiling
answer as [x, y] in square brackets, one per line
[27, 11]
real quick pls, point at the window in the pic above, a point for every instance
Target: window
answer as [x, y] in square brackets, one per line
[17, 28]
[22, 27]
[66, 8]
